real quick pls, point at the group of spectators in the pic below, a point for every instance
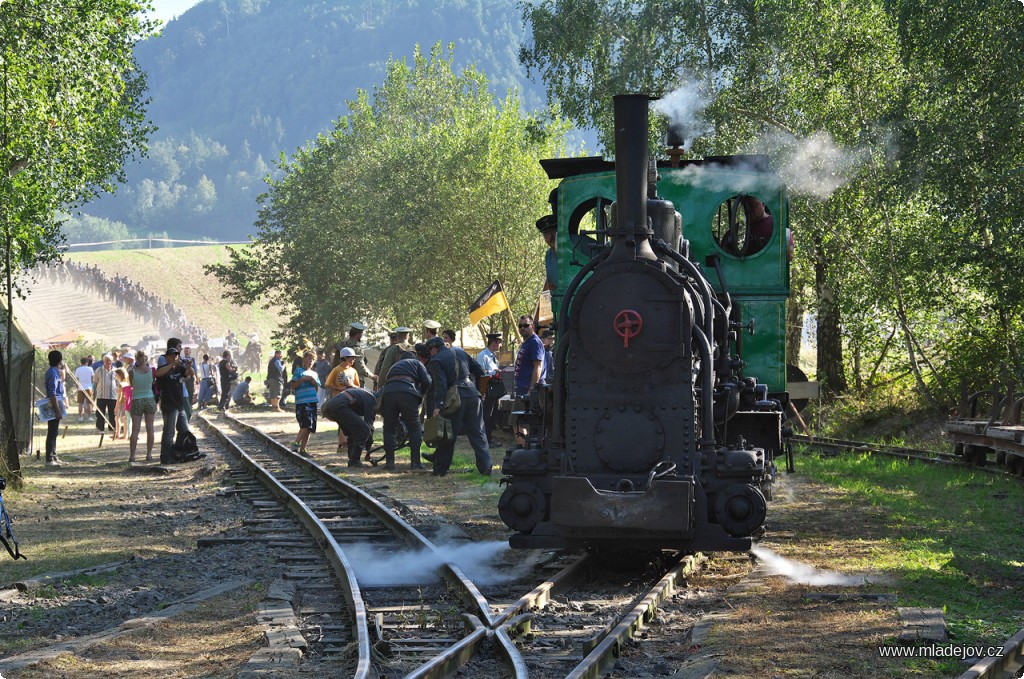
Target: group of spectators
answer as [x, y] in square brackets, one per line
[432, 378]
[124, 389]
[128, 296]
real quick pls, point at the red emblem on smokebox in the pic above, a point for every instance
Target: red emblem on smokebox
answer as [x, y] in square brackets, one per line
[627, 323]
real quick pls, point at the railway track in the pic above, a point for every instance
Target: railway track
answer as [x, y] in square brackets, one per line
[1010, 663]
[433, 626]
[413, 623]
[836, 446]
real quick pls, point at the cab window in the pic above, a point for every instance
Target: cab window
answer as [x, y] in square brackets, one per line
[743, 226]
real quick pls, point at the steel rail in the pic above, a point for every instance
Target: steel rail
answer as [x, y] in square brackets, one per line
[459, 653]
[596, 663]
[892, 451]
[1007, 665]
[913, 454]
[322, 535]
[513, 618]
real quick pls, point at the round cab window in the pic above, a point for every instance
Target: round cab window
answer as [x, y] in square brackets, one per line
[743, 226]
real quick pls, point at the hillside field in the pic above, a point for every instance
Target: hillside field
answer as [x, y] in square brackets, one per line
[176, 274]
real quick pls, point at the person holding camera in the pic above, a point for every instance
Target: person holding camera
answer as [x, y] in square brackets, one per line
[170, 377]
[228, 377]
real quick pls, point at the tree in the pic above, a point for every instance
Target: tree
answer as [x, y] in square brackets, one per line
[73, 112]
[776, 77]
[420, 197]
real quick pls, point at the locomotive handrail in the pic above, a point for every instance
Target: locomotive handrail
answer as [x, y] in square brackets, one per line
[562, 348]
[691, 268]
[707, 434]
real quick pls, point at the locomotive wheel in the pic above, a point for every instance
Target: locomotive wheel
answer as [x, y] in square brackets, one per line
[522, 506]
[740, 509]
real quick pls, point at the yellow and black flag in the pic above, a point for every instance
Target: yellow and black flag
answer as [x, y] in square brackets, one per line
[490, 302]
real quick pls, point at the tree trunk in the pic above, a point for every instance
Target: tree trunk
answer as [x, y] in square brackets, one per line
[794, 330]
[830, 339]
[7, 439]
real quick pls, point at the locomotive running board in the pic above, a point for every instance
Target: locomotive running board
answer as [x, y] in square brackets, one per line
[661, 517]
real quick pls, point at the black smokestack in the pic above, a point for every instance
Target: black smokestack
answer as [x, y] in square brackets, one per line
[631, 232]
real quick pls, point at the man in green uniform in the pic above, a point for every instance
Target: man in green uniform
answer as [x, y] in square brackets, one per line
[355, 342]
[391, 354]
[430, 329]
[392, 341]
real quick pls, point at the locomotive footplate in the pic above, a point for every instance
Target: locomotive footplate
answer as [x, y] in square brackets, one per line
[580, 510]
[663, 516]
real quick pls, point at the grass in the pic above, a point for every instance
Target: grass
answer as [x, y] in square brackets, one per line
[953, 538]
[187, 286]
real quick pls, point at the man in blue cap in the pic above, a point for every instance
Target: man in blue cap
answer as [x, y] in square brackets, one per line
[453, 366]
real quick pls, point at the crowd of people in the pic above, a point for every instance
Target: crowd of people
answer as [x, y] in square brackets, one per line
[124, 389]
[411, 383]
[128, 296]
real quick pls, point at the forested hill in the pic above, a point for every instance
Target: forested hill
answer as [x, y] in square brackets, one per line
[236, 82]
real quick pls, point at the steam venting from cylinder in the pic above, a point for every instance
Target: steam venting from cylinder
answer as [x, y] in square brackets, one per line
[630, 234]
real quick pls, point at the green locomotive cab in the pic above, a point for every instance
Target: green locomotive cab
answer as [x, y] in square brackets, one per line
[735, 227]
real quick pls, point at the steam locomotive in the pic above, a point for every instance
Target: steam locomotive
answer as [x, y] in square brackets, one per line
[654, 432]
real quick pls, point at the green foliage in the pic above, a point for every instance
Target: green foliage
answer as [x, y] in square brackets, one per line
[417, 200]
[89, 229]
[237, 82]
[917, 227]
[73, 112]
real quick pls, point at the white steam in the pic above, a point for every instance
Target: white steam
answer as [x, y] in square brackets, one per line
[738, 177]
[815, 166]
[376, 567]
[685, 106]
[804, 574]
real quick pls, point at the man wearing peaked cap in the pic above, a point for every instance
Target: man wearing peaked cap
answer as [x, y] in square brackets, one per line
[495, 388]
[355, 342]
[392, 353]
[430, 329]
[548, 227]
[392, 341]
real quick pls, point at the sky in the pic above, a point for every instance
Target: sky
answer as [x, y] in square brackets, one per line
[165, 10]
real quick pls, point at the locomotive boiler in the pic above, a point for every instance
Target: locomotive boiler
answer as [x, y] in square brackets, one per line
[653, 433]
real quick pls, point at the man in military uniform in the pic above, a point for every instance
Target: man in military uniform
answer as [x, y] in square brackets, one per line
[392, 341]
[390, 355]
[453, 366]
[430, 329]
[355, 342]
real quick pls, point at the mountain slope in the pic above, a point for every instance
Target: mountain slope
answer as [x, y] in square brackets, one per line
[236, 82]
